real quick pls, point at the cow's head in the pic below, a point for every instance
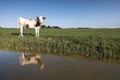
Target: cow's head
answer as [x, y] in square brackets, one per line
[41, 18]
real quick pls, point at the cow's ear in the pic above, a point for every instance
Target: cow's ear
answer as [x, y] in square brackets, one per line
[44, 17]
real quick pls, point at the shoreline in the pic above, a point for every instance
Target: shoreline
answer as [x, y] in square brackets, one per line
[91, 46]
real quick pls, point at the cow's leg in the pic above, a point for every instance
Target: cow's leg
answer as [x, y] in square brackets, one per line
[21, 31]
[37, 31]
[22, 59]
[22, 56]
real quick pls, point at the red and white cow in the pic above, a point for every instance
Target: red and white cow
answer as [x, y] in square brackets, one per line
[30, 23]
[26, 59]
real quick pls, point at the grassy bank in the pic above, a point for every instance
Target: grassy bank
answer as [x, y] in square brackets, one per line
[92, 43]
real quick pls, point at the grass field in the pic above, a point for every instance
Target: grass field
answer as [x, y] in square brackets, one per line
[92, 43]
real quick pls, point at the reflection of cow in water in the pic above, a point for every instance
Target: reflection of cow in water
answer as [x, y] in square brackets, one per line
[31, 59]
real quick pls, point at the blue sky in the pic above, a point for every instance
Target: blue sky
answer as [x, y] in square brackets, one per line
[63, 13]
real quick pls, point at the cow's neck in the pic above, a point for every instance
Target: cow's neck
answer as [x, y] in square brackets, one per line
[38, 23]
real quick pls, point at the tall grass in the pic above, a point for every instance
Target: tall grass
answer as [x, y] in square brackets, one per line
[92, 43]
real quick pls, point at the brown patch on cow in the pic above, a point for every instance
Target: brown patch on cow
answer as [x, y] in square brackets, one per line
[18, 28]
[27, 25]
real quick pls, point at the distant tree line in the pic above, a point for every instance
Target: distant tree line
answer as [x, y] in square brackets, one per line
[50, 27]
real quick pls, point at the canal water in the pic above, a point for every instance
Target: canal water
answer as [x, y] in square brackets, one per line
[26, 66]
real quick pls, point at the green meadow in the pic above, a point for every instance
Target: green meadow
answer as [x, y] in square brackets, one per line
[91, 43]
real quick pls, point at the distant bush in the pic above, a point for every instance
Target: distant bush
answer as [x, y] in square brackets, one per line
[83, 28]
[50, 27]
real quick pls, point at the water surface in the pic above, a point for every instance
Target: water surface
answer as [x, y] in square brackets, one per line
[24, 66]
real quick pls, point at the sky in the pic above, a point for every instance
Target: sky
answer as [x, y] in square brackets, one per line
[62, 13]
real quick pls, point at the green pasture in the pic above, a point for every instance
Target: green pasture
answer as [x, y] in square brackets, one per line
[92, 43]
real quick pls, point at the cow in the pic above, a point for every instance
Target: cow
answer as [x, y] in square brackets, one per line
[30, 23]
[26, 59]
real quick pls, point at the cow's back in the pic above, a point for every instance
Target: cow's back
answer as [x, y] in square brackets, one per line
[29, 23]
